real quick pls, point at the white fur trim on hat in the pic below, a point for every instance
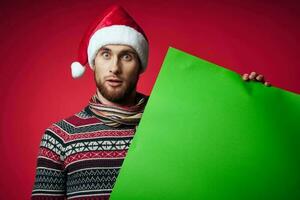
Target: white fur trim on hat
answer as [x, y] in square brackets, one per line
[77, 69]
[118, 34]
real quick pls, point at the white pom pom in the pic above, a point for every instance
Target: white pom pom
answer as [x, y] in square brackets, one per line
[77, 69]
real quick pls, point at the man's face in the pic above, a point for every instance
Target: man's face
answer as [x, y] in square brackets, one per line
[116, 72]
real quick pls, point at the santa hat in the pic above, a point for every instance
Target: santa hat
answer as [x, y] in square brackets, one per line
[115, 26]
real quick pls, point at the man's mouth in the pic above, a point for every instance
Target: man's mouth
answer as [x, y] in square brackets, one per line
[114, 82]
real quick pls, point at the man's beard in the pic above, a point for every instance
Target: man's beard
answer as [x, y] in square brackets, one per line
[118, 95]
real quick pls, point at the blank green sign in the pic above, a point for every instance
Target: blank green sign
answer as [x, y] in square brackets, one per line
[207, 134]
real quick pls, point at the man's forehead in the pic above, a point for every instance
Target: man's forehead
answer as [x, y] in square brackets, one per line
[117, 48]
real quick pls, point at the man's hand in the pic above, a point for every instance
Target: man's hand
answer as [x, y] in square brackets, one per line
[256, 77]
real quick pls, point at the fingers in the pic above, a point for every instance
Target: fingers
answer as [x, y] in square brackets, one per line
[252, 75]
[260, 78]
[245, 77]
[256, 77]
[267, 84]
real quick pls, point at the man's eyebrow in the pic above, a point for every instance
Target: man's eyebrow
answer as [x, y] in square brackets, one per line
[121, 52]
[104, 49]
[128, 51]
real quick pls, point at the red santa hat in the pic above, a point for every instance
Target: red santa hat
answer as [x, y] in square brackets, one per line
[115, 26]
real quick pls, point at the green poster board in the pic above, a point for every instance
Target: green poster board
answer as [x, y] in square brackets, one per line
[207, 134]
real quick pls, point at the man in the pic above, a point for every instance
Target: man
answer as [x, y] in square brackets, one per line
[80, 156]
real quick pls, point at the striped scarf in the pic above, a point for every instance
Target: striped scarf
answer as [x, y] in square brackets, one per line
[116, 115]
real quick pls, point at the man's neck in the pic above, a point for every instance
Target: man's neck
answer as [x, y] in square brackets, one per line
[129, 101]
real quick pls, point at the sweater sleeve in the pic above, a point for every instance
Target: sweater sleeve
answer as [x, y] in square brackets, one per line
[50, 179]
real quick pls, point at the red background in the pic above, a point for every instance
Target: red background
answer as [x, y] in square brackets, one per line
[39, 40]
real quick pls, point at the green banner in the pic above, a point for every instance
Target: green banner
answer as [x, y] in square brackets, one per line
[207, 134]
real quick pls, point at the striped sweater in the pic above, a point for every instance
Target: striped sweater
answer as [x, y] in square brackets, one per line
[80, 158]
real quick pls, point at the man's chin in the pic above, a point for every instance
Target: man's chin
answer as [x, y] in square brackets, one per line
[113, 94]
[114, 91]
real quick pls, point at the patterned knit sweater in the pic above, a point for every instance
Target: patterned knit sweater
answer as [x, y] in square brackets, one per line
[80, 158]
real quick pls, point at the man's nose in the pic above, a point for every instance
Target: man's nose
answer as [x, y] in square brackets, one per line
[115, 66]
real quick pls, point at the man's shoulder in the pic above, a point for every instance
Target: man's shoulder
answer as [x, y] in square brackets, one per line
[72, 124]
[84, 113]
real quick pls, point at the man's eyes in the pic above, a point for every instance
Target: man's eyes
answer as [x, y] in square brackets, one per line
[127, 57]
[105, 55]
